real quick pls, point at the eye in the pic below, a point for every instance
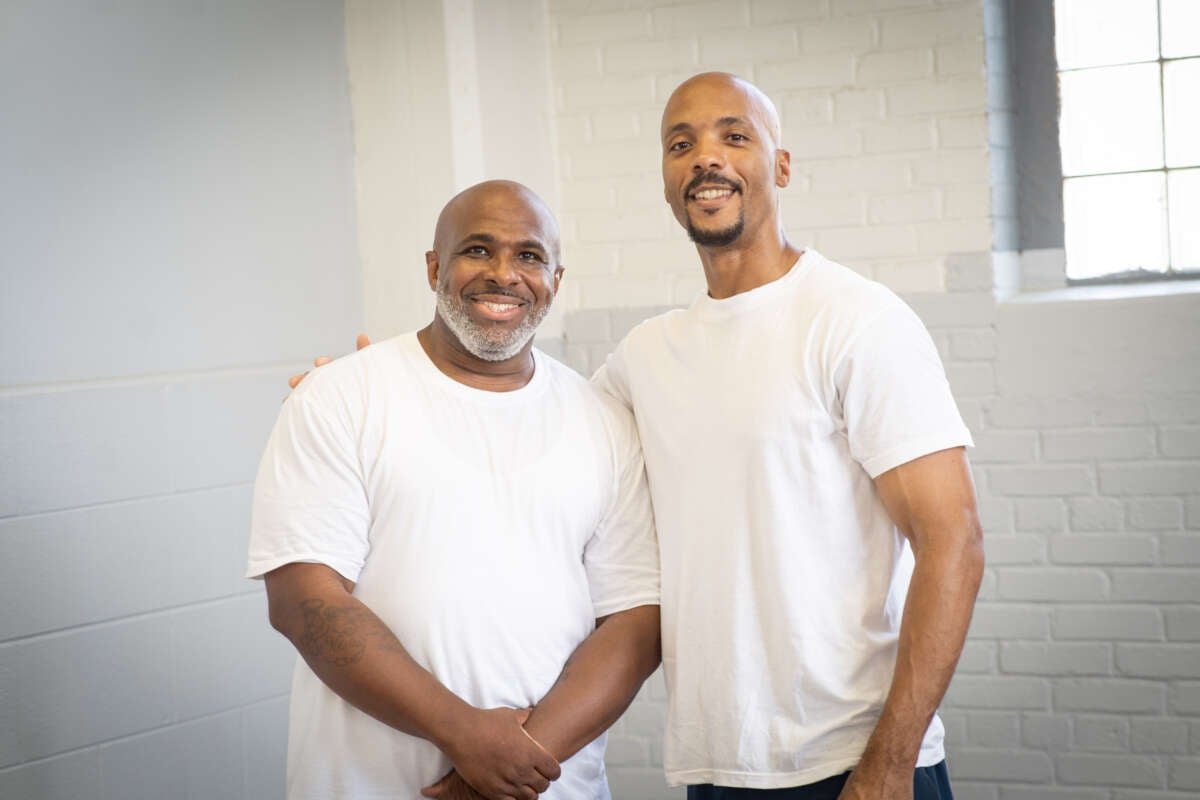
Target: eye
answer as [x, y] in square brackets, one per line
[475, 250]
[530, 255]
[679, 147]
[739, 137]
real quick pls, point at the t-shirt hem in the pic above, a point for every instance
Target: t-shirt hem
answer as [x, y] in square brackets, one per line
[259, 567]
[915, 448]
[763, 780]
[784, 780]
[617, 606]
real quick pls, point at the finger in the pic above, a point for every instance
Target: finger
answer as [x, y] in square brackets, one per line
[362, 341]
[321, 361]
[547, 765]
[434, 789]
[533, 778]
[294, 381]
[523, 715]
[549, 768]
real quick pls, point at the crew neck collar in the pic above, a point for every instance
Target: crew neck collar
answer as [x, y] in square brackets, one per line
[536, 384]
[710, 308]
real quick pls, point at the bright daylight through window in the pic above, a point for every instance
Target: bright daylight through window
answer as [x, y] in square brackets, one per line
[1129, 83]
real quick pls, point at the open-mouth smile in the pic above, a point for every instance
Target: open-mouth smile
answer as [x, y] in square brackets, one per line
[497, 307]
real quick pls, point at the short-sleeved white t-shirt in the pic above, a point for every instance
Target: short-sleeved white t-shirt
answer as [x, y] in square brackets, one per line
[487, 530]
[764, 418]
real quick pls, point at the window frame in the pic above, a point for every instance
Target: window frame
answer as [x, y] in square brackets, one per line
[1172, 273]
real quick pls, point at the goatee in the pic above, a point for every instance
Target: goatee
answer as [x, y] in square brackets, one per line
[718, 238]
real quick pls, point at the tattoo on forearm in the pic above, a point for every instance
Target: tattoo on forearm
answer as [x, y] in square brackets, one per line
[335, 634]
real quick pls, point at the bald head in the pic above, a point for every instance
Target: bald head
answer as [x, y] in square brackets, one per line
[724, 87]
[509, 201]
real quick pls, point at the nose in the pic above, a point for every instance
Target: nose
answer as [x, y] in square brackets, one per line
[707, 155]
[502, 270]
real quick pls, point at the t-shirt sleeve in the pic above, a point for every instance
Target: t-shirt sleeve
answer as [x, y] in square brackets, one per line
[309, 501]
[621, 557]
[895, 399]
[609, 378]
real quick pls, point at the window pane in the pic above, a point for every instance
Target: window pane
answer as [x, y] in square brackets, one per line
[1093, 33]
[1180, 28]
[1185, 219]
[1115, 223]
[1182, 87]
[1111, 119]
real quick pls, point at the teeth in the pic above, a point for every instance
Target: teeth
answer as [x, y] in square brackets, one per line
[712, 194]
[499, 307]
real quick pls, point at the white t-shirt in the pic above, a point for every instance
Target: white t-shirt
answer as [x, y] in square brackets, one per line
[764, 418]
[488, 530]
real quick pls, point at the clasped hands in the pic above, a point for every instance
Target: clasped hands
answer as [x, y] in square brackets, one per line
[494, 758]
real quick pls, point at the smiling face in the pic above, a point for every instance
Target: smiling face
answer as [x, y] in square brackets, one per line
[495, 268]
[722, 164]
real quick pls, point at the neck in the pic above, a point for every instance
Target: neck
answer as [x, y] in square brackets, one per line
[746, 265]
[456, 362]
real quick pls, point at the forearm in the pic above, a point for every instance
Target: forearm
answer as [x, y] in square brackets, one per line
[598, 682]
[357, 656]
[933, 628]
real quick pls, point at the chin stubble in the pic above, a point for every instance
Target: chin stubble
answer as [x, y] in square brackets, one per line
[717, 238]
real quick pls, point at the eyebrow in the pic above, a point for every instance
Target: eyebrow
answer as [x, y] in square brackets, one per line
[723, 122]
[487, 238]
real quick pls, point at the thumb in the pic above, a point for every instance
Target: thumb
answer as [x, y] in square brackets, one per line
[436, 789]
[362, 341]
[523, 714]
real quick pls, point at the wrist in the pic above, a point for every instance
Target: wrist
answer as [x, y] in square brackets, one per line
[451, 725]
[884, 759]
[544, 737]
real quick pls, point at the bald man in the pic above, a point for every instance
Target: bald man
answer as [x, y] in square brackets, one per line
[444, 522]
[818, 535]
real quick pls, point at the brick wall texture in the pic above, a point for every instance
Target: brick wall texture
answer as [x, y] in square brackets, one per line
[1081, 676]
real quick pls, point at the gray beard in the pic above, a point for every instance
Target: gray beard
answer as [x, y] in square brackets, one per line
[487, 343]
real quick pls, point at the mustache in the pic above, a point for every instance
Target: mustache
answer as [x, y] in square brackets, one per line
[495, 288]
[710, 178]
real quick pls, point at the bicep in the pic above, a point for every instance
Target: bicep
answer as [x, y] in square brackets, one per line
[290, 586]
[931, 499]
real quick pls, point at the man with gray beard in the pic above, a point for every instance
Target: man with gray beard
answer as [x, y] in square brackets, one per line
[446, 521]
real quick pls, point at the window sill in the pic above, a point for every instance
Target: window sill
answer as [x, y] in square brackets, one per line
[1106, 292]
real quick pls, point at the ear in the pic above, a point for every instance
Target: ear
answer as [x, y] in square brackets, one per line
[558, 273]
[431, 268]
[783, 167]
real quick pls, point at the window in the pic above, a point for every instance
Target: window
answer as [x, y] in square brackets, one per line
[1129, 83]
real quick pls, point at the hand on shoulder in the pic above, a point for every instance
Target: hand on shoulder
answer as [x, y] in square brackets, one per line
[320, 361]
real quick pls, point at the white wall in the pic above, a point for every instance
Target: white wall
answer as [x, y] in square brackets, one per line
[176, 208]
[445, 94]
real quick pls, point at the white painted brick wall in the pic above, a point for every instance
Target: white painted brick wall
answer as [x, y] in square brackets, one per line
[860, 113]
[1080, 678]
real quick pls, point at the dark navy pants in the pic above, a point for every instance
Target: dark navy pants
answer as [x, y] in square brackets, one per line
[929, 783]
